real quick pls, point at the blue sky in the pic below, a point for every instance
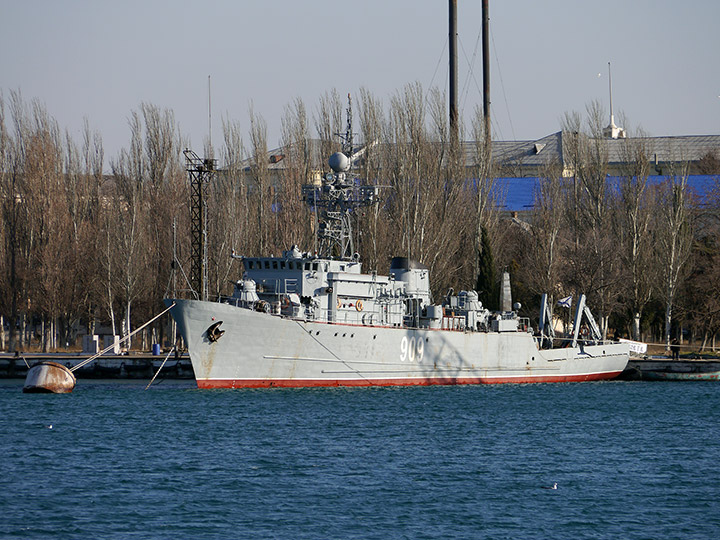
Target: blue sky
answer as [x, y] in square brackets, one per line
[100, 59]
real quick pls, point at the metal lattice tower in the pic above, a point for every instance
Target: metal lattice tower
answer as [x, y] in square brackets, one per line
[336, 198]
[200, 172]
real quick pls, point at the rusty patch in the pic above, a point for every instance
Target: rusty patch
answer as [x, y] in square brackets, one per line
[49, 378]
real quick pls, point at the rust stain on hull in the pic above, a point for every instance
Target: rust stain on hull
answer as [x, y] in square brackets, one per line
[49, 378]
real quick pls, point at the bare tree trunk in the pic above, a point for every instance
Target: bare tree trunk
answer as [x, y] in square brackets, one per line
[258, 141]
[126, 325]
[675, 243]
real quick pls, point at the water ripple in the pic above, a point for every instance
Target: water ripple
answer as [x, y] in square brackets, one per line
[631, 460]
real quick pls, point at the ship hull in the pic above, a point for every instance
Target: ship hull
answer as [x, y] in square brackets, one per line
[261, 350]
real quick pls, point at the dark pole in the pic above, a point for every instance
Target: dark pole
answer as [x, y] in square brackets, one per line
[453, 70]
[486, 69]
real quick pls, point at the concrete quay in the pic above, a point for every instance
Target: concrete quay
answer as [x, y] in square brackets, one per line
[108, 366]
[660, 368]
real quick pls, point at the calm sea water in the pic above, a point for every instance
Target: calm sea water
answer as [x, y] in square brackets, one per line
[631, 460]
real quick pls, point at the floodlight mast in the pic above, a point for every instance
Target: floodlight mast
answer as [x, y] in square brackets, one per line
[200, 171]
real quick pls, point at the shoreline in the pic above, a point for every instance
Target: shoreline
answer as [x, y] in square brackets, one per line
[133, 365]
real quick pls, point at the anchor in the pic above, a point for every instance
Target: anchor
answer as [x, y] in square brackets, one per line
[214, 333]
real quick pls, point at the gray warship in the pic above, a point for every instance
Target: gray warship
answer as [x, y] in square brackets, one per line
[308, 319]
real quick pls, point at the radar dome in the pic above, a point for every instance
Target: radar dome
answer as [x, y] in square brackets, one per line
[339, 162]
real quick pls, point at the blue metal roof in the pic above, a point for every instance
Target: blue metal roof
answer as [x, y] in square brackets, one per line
[520, 192]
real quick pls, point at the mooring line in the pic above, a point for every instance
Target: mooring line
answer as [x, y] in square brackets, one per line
[161, 366]
[131, 334]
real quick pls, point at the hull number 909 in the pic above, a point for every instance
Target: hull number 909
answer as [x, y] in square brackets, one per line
[412, 349]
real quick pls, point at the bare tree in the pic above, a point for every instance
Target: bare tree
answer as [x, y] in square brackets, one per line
[410, 168]
[233, 155]
[328, 123]
[261, 179]
[675, 237]
[92, 157]
[15, 215]
[546, 239]
[128, 219]
[487, 205]
[165, 195]
[298, 170]
[594, 267]
[371, 134]
[5, 198]
[229, 227]
[699, 296]
[633, 230]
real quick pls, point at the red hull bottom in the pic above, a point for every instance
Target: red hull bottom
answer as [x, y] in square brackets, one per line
[313, 383]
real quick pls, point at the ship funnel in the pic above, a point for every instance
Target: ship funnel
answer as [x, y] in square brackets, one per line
[505, 293]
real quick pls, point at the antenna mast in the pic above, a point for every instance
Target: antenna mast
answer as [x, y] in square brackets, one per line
[209, 115]
[452, 37]
[348, 139]
[335, 199]
[612, 116]
[612, 131]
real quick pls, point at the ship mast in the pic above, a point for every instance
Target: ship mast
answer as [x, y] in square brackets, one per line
[335, 199]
